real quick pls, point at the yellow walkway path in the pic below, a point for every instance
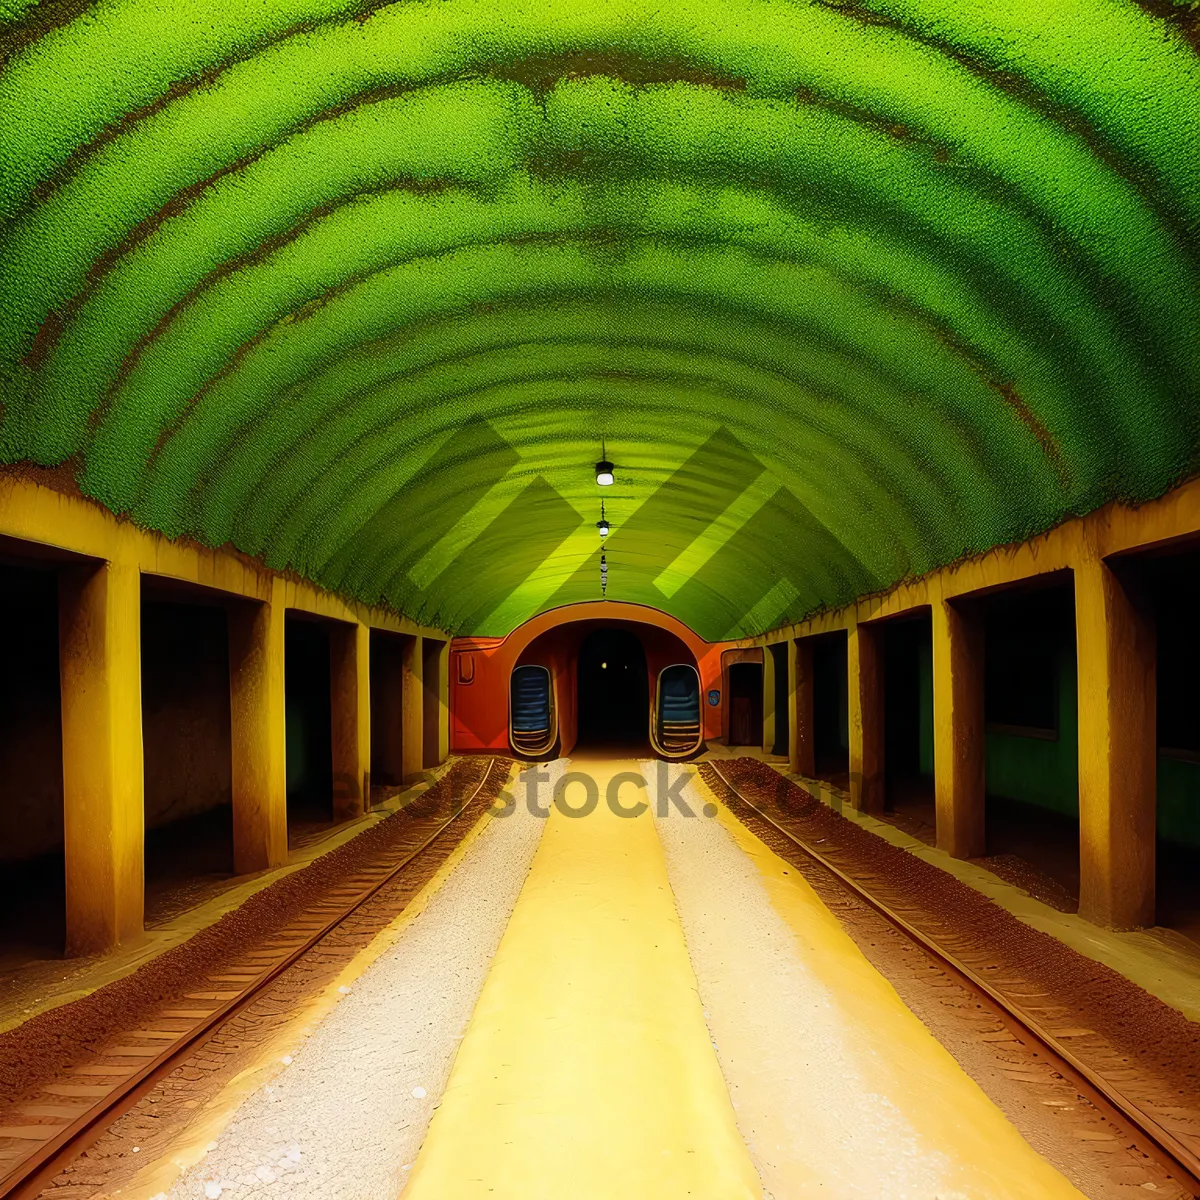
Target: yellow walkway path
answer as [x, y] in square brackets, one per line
[587, 1069]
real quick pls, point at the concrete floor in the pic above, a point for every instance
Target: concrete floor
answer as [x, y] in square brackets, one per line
[654, 1006]
[669, 1012]
[839, 1088]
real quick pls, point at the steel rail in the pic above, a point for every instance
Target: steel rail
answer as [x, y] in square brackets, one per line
[1157, 1142]
[35, 1172]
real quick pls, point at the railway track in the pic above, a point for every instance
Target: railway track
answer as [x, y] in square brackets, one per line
[85, 1101]
[1148, 1134]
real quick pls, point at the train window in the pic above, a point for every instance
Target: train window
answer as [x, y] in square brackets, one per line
[532, 727]
[677, 725]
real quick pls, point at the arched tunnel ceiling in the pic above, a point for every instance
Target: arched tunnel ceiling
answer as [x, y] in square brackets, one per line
[851, 290]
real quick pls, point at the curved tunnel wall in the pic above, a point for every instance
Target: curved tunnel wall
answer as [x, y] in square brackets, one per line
[881, 284]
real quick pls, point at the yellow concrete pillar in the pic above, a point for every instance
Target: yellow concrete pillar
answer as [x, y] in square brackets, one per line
[864, 663]
[1117, 750]
[412, 747]
[802, 757]
[100, 668]
[258, 743]
[768, 700]
[350, 706]
[959, 750]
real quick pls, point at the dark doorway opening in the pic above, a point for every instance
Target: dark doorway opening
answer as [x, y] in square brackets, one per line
[613, 692]
[188, 774]
[32, 874]
[431, 675]
[309, 727]
[387, 708]
[908, 723]
[831, 708]
[745, 704]
[1031, 721]
[1169, 581]
[779, 654]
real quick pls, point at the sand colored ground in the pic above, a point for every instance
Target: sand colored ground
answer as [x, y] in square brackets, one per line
[587, 1070]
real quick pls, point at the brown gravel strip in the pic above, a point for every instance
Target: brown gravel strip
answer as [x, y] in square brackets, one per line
[1029, 878]
[1150, 1051]
[42, 1048]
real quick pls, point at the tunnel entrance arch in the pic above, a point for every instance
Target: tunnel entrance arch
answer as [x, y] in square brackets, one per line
[483, 677]
[481, 671]
[613, 691]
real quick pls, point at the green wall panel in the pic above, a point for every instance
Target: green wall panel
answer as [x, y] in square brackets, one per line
[1036, 770]
[1179, 801]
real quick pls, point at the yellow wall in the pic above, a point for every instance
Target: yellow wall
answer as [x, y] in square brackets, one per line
[100, 669]
[1115, 645]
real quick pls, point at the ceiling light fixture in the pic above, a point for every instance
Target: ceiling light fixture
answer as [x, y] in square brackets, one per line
[604, 469]
[603, 524]
[603, 574]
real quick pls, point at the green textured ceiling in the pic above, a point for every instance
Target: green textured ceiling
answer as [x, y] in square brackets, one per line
[850, 290]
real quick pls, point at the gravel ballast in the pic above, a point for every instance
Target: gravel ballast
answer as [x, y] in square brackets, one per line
[1118, 1030]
